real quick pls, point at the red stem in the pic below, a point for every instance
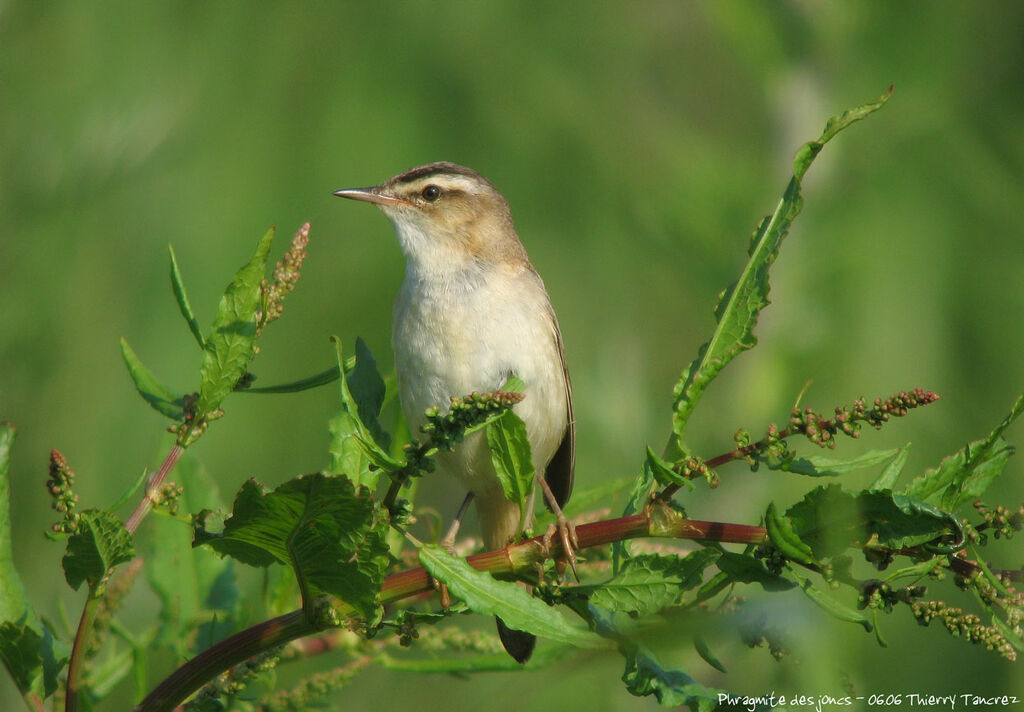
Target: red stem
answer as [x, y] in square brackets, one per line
[154, 484]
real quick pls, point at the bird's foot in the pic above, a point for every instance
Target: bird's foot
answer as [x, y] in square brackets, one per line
[566, 533]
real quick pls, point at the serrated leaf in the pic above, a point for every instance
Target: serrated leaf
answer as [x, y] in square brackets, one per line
[322, 526]
[829, 604]
[967, 473]
[181, 296]
[644, 675]
[518, 609]
[648, 583]
[830, 519]
[510, 455]
[229, 347]
[160, 397]
[825, 466]
[100, 543]
[892, 471]
[786, 540]
[744, 568]
[741, 303]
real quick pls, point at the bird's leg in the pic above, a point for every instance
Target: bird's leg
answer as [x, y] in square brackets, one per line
[566, 529]
[448, 544]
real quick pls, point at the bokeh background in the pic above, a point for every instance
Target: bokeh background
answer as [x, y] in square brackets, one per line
[638, 144]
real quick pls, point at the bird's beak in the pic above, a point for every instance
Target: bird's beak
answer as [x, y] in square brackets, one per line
[370, 195]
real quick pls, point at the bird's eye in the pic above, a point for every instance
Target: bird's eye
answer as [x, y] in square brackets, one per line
[431, 193]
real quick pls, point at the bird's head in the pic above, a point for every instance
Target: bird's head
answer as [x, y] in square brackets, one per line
[445, 214]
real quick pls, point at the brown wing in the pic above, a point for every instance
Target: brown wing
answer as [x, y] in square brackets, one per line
[560, 470]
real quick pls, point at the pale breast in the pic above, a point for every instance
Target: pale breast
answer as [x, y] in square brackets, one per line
[453, 340]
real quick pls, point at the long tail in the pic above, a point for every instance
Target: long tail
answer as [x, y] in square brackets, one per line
[499, 521]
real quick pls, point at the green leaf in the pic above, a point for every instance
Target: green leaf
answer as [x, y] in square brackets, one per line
[514, 384]
[330, 533]
[510, 455]
[229, 348]
[32, 657]
[304, 384]
[192, 584]
[132, 488]
[518, 609]
[639, 496]
[830, 605]
[178, 285]
[353, 448]
[662, 471]
[830, 519]
[367, 389]
[648, 583]
[805, 156]
[14, 604]
[701, 646]
[644, 675]
[824, 466]
[159, 396]
[741, 303]
[892, 471]
[917, 570]
[100, 544]
[744, 568]
[782, 535]
[967, 473]
[28, 650]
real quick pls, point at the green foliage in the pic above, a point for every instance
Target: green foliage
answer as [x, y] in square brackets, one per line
[160, 397]
[13, 600]
[229, 347]
[823, 466]
[830, 518]
[180, 296]
[967, 473]
[649, 583]
[345, 545]
[740, 305]
[100, 544]
[644, 675]
[519, 610]
[31, 657]
[329, 532]
[357, 438]
[510, 455]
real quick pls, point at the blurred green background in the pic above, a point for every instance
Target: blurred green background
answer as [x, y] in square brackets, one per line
[637, 143]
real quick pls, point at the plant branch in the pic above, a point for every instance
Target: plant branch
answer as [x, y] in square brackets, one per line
[658, 520]
[261, 637]
[154, 485]
[78, 652]
[814, 426]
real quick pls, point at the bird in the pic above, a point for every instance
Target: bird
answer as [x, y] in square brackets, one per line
[472, 311]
